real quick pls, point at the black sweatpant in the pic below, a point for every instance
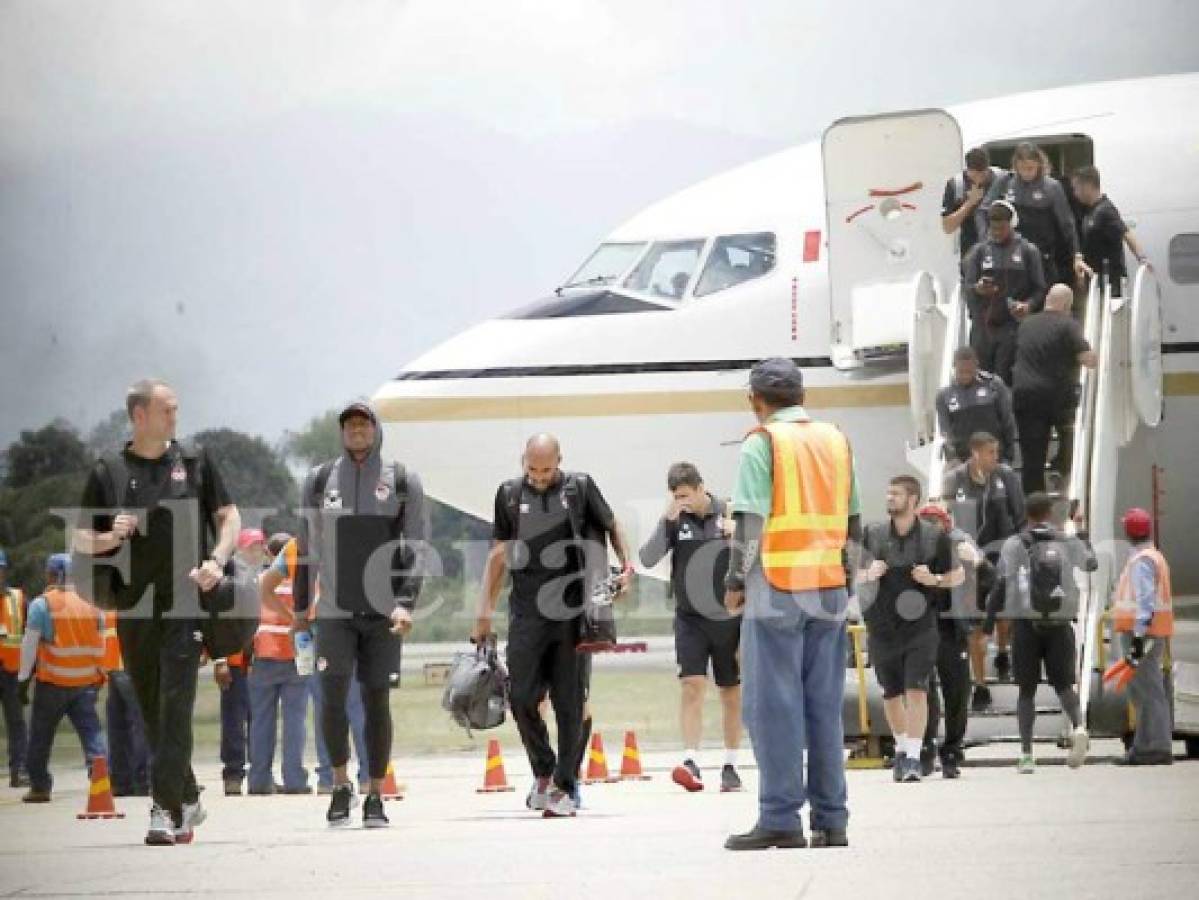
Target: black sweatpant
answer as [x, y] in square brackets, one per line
[162, 657]
[996, 348]
[365, 642]
[1050, 647]
[1037, 415]
[952, 676]
[541, 656]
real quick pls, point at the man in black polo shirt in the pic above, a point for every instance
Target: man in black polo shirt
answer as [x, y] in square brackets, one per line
[1103, 230]
[695, 530]
[154, 487]
[906, 560]
[974, 401]
[1050, 347]
[550, 532]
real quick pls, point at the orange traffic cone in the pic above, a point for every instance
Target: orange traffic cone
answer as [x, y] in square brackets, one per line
[99, 794]
[495, 780]
[391, 790]
[597, 763]
[630, 762]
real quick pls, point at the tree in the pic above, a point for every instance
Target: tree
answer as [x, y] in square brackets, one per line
[53, 450]
[254, 475]
[318, 441]
[110, 434]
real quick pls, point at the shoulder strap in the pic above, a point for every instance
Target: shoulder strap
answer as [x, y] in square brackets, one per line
[399, 484]
[959, 187]
[574, 489]
[930, 536]
[324, 470]
[117, 473]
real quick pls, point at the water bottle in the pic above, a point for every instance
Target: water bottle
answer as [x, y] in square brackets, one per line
[305, 653]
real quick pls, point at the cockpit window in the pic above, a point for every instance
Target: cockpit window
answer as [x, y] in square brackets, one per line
[606, 265]
[666, 269]
[736, 259]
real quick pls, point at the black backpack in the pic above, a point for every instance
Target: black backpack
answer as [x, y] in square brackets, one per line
[476, 691]
[1047, 566]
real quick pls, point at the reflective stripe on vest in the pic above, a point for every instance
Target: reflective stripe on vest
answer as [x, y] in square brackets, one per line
[12, 628]
[1124, 604]
[73, 658]
[806, 532]
[272, 640]
[112, 661]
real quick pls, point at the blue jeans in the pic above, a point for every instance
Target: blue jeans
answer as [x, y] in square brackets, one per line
[357, 717]
[129, 753]
[50, 704]
[235, 722]
[793, 652]
[275, 684]
[14, 722]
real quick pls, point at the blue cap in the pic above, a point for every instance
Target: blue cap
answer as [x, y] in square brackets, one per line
[3, 560]
[59, 564]
[776, 375]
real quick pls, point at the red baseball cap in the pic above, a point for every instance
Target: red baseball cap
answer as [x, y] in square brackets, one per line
[1138, 524]
[932, 511]
[248, 537]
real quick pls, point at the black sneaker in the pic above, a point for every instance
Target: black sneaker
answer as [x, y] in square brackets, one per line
[1003, 666]
[981, 700]
[341, 801]
[950, 768]
[372, 812]
[729, 780]
[928, 761]
[911, 771]
[899, 766]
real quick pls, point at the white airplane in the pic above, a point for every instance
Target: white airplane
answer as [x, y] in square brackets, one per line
[825, 253]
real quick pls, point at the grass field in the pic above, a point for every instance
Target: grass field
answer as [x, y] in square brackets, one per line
[645, 701]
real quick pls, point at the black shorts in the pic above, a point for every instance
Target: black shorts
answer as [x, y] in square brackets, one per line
[903, 663]
[366, 641]
[698, 639]
[1052, 645]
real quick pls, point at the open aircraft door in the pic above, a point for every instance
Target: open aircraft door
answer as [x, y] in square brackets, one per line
[883, 178]
[1145, 350]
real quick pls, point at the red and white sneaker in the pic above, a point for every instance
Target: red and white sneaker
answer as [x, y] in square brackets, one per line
[688, 777]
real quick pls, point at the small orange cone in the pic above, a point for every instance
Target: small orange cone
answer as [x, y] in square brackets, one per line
[630, 762]
[99, 794]
[391, 791]
[597, 763]
[495, 780]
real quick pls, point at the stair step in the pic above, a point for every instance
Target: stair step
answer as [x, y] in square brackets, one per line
[993, 713]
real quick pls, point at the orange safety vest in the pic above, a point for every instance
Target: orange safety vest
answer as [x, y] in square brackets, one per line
[1124, 605]
[273, 638]
[73, 658]
[112, 661]
[12, 628]
[808, 526]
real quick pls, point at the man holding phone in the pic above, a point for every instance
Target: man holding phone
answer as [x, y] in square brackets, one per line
[1003, 281]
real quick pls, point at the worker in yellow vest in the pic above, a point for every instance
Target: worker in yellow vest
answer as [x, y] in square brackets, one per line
[64, 639]
[129, 752]
[277, 688]
[12, 628]
[1143, 619]
[795, 506]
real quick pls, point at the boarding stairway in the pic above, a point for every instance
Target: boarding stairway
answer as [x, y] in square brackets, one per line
[1121, 395]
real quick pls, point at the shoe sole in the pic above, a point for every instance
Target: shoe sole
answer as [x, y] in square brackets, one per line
[1079, 744]
[724, 789]
[684, 779]
[776, 845]
[160, 839]
[338, 823]
[550, 814]
[185, 837]
[375, 823]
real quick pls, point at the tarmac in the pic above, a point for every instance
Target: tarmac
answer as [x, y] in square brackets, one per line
[1102, 831]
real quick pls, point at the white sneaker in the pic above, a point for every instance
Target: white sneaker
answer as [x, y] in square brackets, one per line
[558, 805]
[194, 813]
[1080, 741]
[162, 829]
[539, 795]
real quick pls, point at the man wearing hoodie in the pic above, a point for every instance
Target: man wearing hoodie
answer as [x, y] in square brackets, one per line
[363, 540]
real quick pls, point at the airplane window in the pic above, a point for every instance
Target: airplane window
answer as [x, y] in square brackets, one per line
[735, 259]
[1184, 259]
[606, 264]
[666, 269]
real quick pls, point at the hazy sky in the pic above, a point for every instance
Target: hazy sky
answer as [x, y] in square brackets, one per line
[275, 205]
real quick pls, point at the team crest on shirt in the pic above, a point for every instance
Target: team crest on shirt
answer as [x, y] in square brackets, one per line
[1017, 257]
[178, 473]
[382, 491]
[332, 499]
[524, 507]
[686, 533]
[954, 404]
[999, 485]
[1038, 195]
[982, 392]
[322, 664]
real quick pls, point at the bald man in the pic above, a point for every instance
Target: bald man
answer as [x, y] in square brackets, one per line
[1050, 347]
[551, 530]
